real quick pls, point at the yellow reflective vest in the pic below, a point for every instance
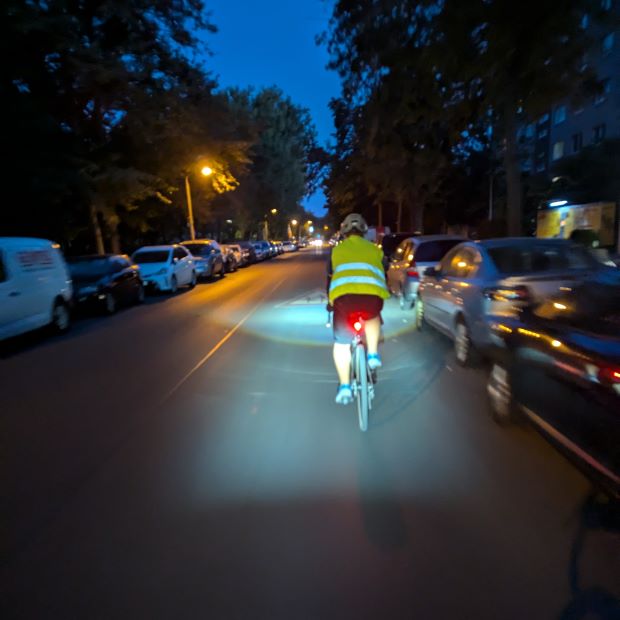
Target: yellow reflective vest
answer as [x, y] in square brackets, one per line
[357, 268]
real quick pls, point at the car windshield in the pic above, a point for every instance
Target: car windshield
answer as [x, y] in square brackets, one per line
[198, 249]
[434, 251]
[90, 268]
[521, 259]
[151, 256]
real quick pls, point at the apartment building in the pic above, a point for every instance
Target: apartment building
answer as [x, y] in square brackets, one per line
[571, 128]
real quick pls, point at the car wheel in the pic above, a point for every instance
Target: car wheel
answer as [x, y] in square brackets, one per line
[192, 282]
[174, 287]
[140, 294]
[420, 321]
[109, 303]
[502, 405]
[222, 274]
[61, 317]
[463, 346]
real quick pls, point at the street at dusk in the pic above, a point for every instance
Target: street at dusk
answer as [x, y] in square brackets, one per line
[186, 459]
[310, 310]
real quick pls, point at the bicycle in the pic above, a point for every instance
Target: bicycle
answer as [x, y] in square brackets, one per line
[363, 379]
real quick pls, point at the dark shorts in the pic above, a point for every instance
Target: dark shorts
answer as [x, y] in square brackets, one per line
[348, 308]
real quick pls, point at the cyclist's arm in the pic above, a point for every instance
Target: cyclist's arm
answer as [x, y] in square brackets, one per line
[330, 272]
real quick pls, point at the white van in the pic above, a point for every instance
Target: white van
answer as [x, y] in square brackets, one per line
[35, 286]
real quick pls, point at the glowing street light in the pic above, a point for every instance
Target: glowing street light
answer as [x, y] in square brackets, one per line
[274, 211]
[294, 222]
[206, 171]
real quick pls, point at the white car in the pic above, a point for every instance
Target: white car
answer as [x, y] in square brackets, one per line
[288, 246]
[166, 267]
[35, 286]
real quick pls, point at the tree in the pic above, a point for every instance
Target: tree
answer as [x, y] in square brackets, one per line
[514, 58]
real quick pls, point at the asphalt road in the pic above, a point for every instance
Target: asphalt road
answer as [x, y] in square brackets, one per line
[185, 459]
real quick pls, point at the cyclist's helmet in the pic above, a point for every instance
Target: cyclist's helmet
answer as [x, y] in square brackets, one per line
[353, 221]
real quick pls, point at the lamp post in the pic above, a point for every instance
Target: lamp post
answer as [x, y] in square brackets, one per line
[205, 171]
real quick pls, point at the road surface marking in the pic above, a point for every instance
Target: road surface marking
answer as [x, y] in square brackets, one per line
[216, 348]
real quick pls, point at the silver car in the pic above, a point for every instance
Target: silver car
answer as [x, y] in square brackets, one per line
[496, 277]
[412, 257]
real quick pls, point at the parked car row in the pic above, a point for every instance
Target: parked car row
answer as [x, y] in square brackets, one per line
[545, 314]
[39, 288]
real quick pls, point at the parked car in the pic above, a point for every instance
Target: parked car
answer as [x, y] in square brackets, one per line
[208, 257]
[289, 246]
[409, 261]
[273, 249]
[247, 247]
[558, 365]
[35, 286]
[495, 276]
[391, 241]
[166, 267]
[105, 281]
[262, 252]
[232, 257]
[279, 248]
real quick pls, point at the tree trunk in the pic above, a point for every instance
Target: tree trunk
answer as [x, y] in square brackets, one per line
[513, 172]
[115, 238]
[96, 230]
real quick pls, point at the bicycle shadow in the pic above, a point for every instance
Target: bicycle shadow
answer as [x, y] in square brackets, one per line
[597, 514]
[382, 517]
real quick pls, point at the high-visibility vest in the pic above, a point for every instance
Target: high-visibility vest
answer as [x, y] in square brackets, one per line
[357, 268]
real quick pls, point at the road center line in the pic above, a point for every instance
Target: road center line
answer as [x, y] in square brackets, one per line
[229, 335]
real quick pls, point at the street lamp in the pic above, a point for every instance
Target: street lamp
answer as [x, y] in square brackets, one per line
[294, 222]
[274, 211]
[206, 171]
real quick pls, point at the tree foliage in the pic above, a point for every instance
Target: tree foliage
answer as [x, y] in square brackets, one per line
[107, 108]
[422, 81]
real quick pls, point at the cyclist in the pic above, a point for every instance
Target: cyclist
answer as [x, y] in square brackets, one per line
[356, 288]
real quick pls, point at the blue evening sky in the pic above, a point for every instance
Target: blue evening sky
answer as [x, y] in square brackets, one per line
[271, 42]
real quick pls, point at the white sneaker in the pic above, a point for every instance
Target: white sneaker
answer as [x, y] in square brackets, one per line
[344, 395]
[374, 361]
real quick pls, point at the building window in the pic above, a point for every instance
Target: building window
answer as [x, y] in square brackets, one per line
[526, 166]
[529, 131]
[577, 142]
[598, 133]
[585, 21]
[605, 90]
[543, 119]
[542, 133]
[559, 116]
[558, 150]
[541, 167]
[608, 43]
[606, 5]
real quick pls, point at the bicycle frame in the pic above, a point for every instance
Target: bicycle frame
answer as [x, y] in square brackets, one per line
[362, 378]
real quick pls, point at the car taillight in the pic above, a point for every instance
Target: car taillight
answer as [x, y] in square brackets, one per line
[357, 326]
[412, 271]
[508, 293]
[609, 375]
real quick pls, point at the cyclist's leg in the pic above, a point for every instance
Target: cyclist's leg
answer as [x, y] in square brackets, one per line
[342, 360]
[373, 331]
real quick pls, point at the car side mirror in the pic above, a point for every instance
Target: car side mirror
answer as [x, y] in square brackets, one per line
[431, 272]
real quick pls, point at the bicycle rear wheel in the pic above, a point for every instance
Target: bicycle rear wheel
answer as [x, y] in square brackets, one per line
[361, 376]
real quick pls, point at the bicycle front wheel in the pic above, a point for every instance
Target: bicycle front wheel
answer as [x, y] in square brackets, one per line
[361, 372]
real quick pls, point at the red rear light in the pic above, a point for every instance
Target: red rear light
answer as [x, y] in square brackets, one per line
[609, 375]
[413, 272]
[357, 326]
